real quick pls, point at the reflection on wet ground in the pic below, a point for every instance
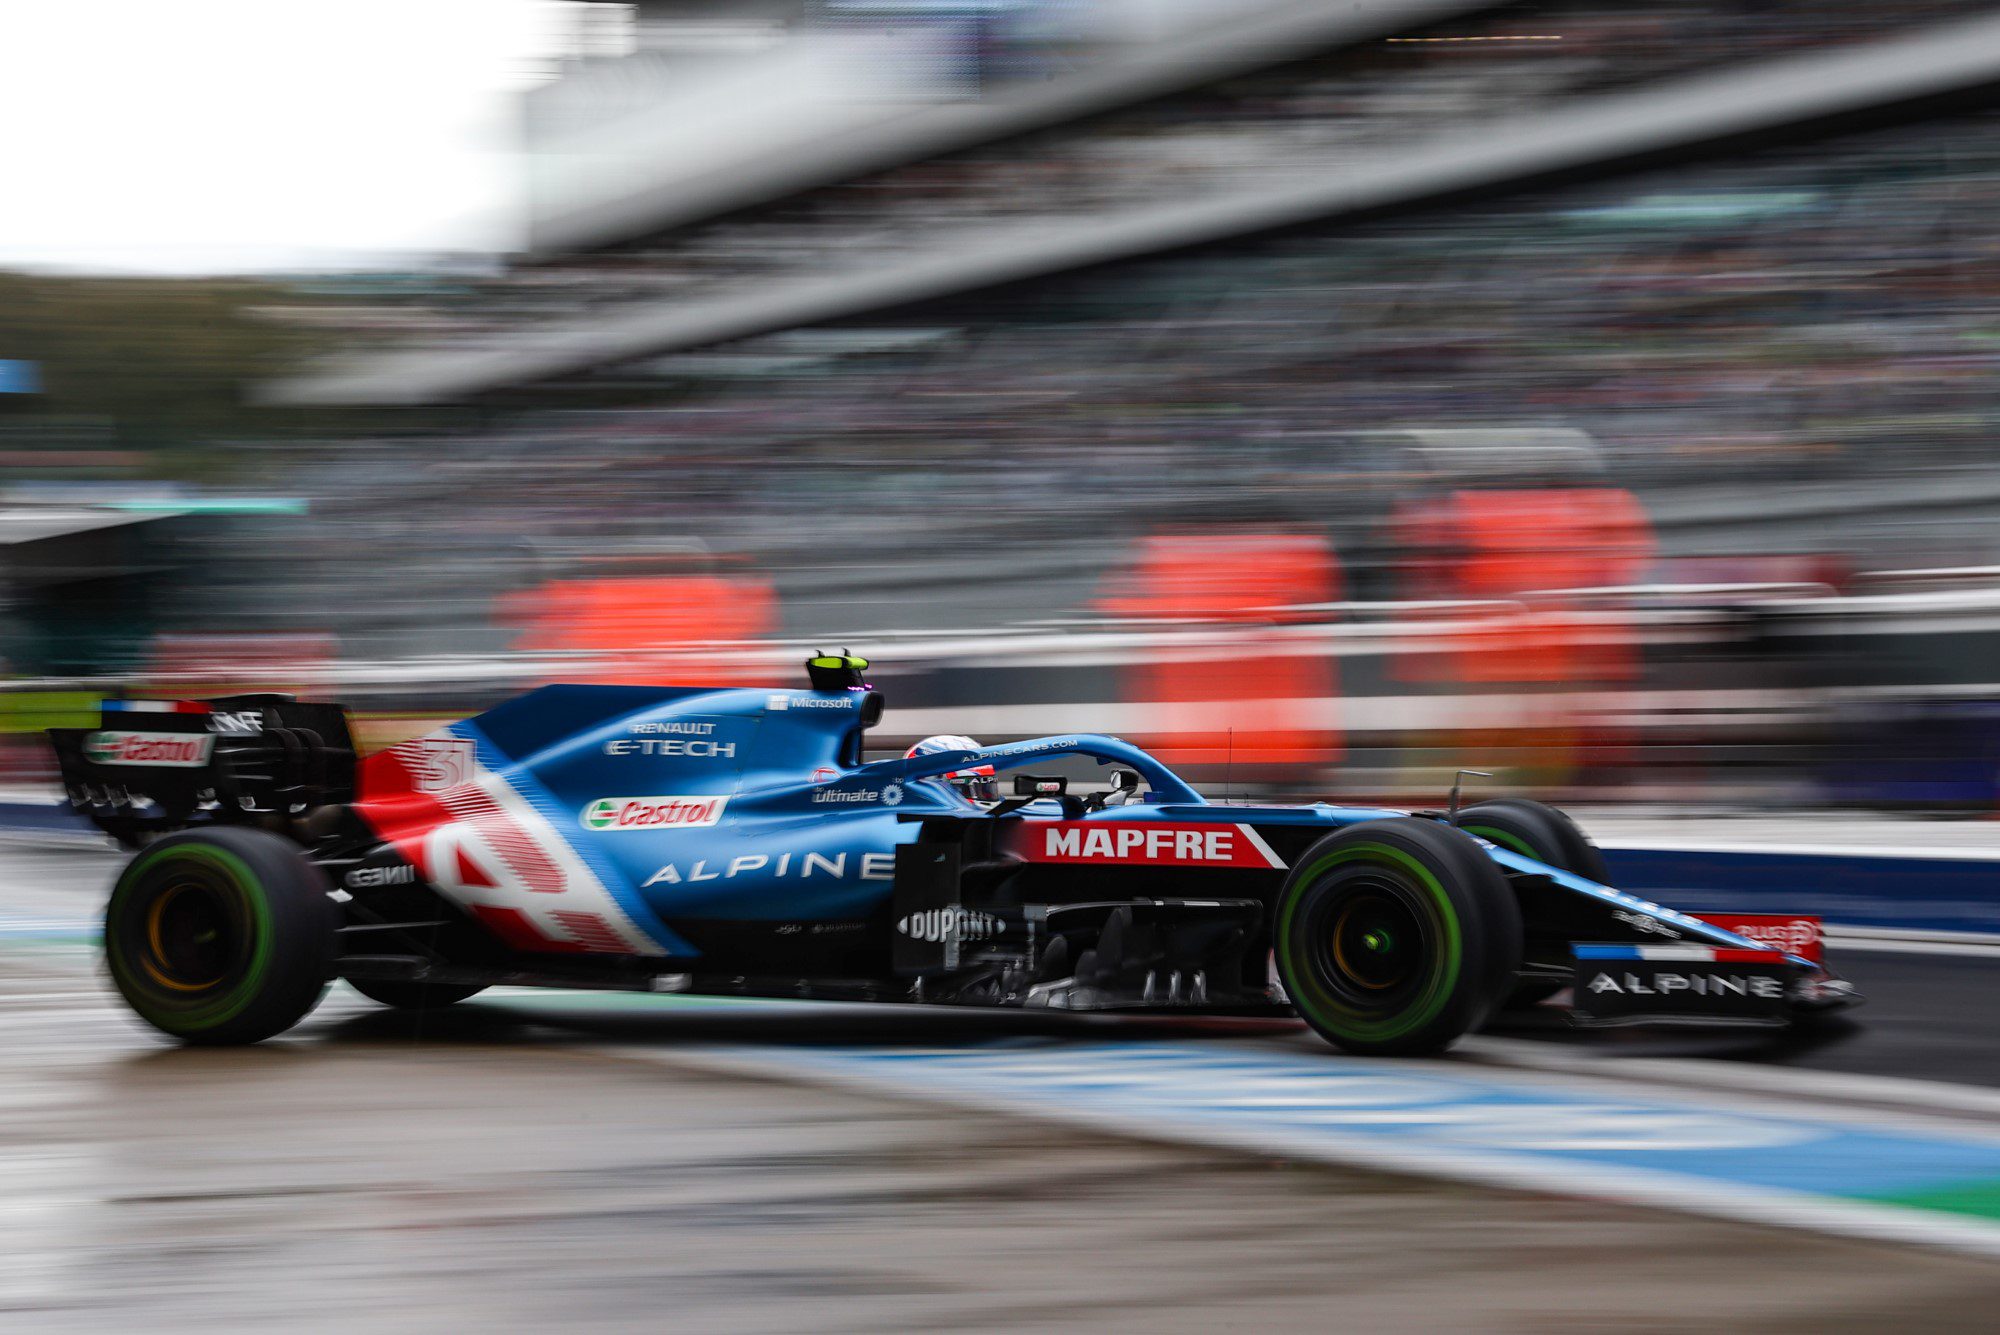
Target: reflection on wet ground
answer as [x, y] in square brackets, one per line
[479, 1167]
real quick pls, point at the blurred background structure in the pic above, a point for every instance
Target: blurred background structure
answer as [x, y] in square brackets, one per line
[1329, 395]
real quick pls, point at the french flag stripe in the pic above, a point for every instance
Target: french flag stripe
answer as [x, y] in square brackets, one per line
[1606, 952]
[1707, 954]
[153, 707]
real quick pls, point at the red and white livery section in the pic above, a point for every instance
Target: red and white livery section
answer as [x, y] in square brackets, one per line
[482, 846]
[1798, 934]
[1112, 843]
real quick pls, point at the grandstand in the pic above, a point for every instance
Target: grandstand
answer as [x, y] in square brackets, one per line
[1731, 245]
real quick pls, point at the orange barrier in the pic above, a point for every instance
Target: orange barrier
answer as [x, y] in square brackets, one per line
[640, 629]
[1499, 545]
[1247, 699]
[1502, 545]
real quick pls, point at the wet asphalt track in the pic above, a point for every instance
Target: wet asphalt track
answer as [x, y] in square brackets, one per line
[492, 1165]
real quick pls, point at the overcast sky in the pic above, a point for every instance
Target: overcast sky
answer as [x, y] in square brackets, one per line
[213, 135]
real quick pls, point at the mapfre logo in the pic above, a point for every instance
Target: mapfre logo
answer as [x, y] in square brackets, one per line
[170, 750]
[1143, 844]
[652, 813]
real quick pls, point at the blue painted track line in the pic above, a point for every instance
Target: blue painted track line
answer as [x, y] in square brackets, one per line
[76, 930]
[1450, 1120]
[45, 818]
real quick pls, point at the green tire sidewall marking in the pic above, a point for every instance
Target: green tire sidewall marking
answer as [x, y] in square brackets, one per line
[1305, 991]
[205, 1012]
[1505, 840]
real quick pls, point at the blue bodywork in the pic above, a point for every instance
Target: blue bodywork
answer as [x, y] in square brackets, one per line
[808, 831]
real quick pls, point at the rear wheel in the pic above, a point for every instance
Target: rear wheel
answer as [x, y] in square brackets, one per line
[410, 996]
[221, 935]
[1546, 834]
[1396, 936]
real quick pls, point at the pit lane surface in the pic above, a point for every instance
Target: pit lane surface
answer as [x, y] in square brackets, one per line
[482, 1171]
[538, 1157]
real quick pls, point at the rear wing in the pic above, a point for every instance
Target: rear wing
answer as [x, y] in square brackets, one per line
[159, 765]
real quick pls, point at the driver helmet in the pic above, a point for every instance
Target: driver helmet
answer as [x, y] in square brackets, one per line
[976, 783]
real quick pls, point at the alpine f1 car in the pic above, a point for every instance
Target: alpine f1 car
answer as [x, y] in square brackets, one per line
[737, 842]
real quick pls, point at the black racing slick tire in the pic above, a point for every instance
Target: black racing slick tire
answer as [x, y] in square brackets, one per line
[1546, 834]
[1536, 830]
[407, 996]
[1396, 937]
[221, 936]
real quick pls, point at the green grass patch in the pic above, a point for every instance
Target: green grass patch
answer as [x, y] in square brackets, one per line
[1979, 1199]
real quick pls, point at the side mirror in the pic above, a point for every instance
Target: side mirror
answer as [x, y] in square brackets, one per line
[1040, 785]
[1124, 781]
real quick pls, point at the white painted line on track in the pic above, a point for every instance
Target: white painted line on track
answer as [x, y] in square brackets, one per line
[1323, 1143]
[64, 841]
[1902, 941]
[1711, 1086]
[1962, 949]
[1910, 852]
[1937, 934]
[1826, 1093]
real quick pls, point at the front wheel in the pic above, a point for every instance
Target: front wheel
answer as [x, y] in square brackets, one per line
[1396, 936]
[221, 935]
[1545, 834]
[1537, 830]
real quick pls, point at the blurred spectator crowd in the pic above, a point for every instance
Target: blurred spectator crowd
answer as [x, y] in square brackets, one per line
[1743, 344]
[1315, 115]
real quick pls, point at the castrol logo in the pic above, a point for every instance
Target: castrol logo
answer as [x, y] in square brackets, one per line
[171, 750]
[613, 814]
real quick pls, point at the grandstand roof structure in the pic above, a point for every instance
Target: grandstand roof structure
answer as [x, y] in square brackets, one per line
[860, 138]
[1578, 135]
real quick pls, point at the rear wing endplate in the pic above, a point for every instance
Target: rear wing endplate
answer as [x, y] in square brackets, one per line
[157, 765]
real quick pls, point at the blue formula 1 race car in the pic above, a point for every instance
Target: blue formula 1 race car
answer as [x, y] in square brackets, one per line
[736, 842]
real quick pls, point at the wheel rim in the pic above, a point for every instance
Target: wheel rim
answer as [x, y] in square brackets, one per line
[1371, 941]
[191, 938]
